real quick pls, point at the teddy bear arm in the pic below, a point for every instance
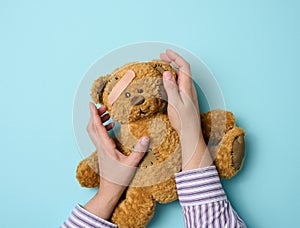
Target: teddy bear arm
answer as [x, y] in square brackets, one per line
[87, 172]
[165, 192]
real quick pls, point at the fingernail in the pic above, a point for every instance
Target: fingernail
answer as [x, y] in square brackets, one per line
[167, 75]
[145, 141]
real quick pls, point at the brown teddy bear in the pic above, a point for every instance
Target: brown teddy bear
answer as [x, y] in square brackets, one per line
[136, 99]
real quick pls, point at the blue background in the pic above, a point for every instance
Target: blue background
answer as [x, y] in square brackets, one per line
[46, 47]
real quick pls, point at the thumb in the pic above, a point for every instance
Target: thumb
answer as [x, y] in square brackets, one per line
[138, 151]
[171, 87]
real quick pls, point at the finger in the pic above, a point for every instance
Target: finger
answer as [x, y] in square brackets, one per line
[165, 58]
[103, 136]
[195, 99]
[179, 61]
[90, 128]
[138, 151]
[110, 126]
[102, 110]
[105, 117]
[185, 81]
[91, 132]
[94, 114]
[171, 88]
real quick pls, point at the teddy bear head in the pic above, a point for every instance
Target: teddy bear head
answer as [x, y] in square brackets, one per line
[133, 91]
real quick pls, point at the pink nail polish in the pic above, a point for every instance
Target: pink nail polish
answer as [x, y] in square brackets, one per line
[145, 141]
[167, 75]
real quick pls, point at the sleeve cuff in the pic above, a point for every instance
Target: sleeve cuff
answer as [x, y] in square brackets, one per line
[82, 218]
[199, 186]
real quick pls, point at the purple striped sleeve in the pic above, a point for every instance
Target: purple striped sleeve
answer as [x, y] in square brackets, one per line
[81, 218]
[203, 200]
[200, 186]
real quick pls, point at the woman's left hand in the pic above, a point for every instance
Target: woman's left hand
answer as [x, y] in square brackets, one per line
[116, 169]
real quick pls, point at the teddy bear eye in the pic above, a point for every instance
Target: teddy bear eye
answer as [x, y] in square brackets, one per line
[140, 90]
[127, 94]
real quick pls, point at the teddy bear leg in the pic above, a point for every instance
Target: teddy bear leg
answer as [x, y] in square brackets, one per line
[135, 210]
[165, 192]
[87, 172]
[215, 124]
[229, 154]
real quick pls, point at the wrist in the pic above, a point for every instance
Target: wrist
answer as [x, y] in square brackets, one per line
[195, 154]
[105, 200]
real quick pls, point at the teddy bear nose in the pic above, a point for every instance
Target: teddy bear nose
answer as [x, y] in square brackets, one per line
[137, 100]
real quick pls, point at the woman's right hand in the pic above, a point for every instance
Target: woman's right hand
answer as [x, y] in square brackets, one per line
[183, 112]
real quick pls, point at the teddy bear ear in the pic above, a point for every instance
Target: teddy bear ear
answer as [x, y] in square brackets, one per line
[98, 89]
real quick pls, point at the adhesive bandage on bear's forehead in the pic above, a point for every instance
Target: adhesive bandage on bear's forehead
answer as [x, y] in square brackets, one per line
[121, 86]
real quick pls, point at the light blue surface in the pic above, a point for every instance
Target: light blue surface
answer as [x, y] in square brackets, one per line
[46, 47]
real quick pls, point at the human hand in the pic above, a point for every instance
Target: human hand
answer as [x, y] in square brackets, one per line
[116, 170]
[183, 112]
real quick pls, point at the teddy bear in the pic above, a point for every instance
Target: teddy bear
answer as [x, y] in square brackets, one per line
[136, 100]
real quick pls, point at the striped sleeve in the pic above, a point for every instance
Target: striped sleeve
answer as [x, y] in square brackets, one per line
[81, 218]
[203, 200]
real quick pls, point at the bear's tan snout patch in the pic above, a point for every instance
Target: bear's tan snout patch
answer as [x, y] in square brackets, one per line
[137, 100]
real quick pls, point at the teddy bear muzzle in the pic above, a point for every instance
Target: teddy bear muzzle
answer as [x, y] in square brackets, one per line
[137, 100]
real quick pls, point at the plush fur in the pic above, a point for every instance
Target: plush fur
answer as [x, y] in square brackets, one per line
[141, 110]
